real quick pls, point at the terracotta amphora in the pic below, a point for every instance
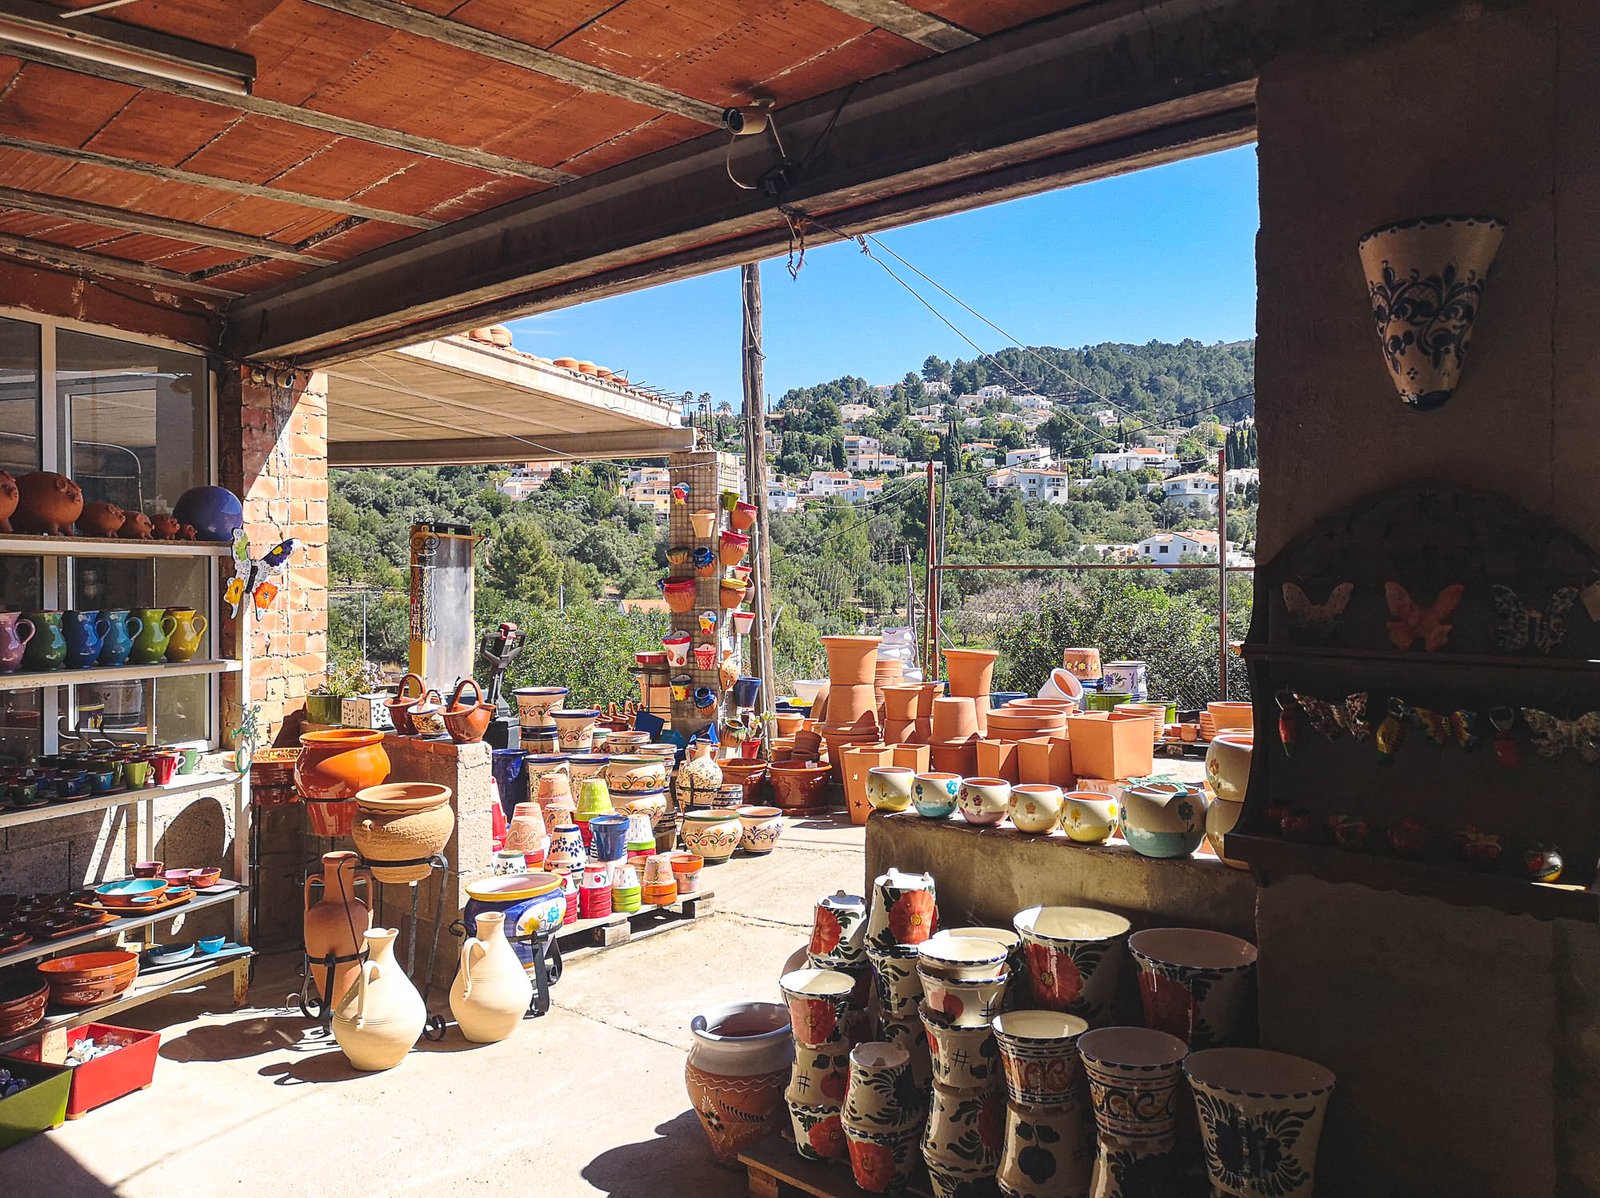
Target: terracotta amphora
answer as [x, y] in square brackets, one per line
[337, 922]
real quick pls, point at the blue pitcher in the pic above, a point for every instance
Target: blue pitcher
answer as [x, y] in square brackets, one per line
[121, 628]
[86, 633]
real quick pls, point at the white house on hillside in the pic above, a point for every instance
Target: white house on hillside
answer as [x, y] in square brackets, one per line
[852, 413]
[825, 484]
[1194, 491]
[1120, 461]
[782, 498]
[1032, 455]
[992, 391]
[1168, 547]
[856, 448]
[1036, 402]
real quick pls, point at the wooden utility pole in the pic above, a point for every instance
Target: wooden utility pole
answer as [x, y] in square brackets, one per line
[1222, 570]
[930, 639]
[755, 473]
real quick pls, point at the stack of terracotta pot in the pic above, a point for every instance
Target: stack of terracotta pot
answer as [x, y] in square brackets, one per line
[971, 673]
[908, 712]
[889, 671]
[851, 716]
[1016, 723]
[953, 745]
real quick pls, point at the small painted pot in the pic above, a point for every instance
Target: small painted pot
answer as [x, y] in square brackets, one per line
[962, 958]
[817, 1000]
[1039, 1053]
[583, 766]
[1074, 957]
[964, 1058]
[712, 835]
[1193, 982]
[1228, 764]
[1275, 1099]
[1036, 807]
[762, 827]
[839, 929]
[881, 1095]
[677, 647]
[630, 772]
[1088, 816]
[904, 909]
[899, 987]
[882, 1162]
[961, 1140]
[890, 787]
[732, 547]
[818, 1132]
[964, 1003]
[934, 795]
[821, 1074]
[704, 697]
[566, 852]
[1163, 819]
[984, 801]
[1134, 1074]
[575, 727]
[681, 685]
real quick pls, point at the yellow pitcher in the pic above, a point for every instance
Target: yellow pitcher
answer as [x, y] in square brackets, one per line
[186, 637]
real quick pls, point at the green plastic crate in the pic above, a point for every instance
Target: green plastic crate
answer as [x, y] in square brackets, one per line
[41, 1106]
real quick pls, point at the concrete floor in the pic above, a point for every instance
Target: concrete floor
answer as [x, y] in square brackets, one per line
[587, 1100]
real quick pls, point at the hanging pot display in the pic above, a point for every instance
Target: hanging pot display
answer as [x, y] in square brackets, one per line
[1425, 278]
[704, 522]
[732, 548]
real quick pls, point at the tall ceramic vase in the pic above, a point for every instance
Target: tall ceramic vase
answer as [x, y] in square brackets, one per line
[381, 1016]
[492, 991]
[737, 1069]
[1425, 279]
[1134, 1074]
[338, 922]
[1260, 1116]
[1048, 1151]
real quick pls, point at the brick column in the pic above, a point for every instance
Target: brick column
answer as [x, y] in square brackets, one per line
[273, 451]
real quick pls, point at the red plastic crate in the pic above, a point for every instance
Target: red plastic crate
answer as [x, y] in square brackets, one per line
[107, 1078]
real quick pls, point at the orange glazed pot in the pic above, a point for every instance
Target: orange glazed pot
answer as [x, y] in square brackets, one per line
[339, 762]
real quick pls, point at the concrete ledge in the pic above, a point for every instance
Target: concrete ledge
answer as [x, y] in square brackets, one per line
[987, 875]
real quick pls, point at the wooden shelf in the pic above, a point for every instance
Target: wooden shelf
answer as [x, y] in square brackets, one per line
[1473, 661]
[1271, 858]
[168, 669]
[183, 784]
[24, 545]
[50, 948]
[143, 990]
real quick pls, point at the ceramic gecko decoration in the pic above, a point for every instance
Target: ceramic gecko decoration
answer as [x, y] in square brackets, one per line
[1413, 622]
[253, 576]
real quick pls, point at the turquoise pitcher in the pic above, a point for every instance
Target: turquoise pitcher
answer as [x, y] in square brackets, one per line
[48, 648]
[122, 627]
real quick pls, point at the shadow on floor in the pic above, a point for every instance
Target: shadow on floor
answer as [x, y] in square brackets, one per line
[677, 1162]
[42, 1166]
[240, 1038]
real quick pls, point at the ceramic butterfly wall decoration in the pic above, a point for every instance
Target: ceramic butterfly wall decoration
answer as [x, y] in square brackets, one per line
[1553, 736]
[1521, 624]
[1330, 718]
[1319, 619]
[253, 576]
[1413, 622]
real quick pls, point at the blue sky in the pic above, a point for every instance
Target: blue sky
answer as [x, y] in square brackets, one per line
[1160, 254]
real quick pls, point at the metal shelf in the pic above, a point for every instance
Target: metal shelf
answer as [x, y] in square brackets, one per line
[23, 545]
[187, 784]
[143, 990]
[50, 948]
[169, 669]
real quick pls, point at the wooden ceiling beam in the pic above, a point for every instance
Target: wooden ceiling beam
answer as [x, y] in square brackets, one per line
[305, 118]
[105, 265]
[158, 226]
[259, 191]
[531, 58]
[925, 29]
[1097, 75]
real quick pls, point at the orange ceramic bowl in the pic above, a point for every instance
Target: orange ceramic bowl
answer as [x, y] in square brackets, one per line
[90, 967]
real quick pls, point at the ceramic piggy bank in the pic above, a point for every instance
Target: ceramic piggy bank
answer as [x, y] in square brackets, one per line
[8, 499]
[136, 526]
[47, 503]
[101, 520]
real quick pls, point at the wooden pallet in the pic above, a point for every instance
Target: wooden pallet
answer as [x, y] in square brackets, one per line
[776, 1170]
[608, 931]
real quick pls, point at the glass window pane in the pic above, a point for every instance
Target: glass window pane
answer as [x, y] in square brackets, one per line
[19, 396]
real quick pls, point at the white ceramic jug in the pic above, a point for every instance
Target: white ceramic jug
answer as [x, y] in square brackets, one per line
[491, 992]
[378, 1021]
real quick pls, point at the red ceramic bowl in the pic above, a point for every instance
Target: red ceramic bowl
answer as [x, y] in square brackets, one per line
[20, 1006]
[201, 878]
[82, 967]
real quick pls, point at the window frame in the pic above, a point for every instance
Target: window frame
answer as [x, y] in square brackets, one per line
[57, 584]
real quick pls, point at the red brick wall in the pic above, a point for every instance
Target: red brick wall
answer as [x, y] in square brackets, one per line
[273, 451]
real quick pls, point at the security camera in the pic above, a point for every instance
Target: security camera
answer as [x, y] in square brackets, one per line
[744, 122]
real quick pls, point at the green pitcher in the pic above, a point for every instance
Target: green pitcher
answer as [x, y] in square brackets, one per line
[47, 650]
[150, 646]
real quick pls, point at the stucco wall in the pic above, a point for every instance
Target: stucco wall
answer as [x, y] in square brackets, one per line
[1465, 1041]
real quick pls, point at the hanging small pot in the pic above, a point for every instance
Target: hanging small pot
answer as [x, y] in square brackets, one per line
[704, 522]
[1425, 278]
[730, 500]
[677, 647]
[705, 562]
[743, 622]
[705, 656]
[731, 593]
[732, 548]
[708, 622]
[743, 516]
[680, 687]
[679, 594]
[678, 555]
[746, 691]
[400, 706]
[704, 697]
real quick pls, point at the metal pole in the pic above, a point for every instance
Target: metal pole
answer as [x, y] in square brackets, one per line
[755, 472]
[1222, 570]
[929, 644]
[364, 626]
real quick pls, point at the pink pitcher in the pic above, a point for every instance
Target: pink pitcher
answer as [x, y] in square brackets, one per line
[11, 645]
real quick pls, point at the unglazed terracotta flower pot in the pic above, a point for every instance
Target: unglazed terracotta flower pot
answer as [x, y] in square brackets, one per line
[971, 673]
[340, 763]
[852, 660]
[737, 1069]
[704, 522]
[1260, 1116]
[400, 826]
[1425, 278]
[1074, 957]
[799, 786]
[954, 718]
[1194, 982]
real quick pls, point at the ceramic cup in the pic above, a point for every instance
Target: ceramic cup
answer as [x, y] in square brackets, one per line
[984, 801]
[1074, 957]
[1035, 807]
[817, 1000]
[934, 795]
[890, 787]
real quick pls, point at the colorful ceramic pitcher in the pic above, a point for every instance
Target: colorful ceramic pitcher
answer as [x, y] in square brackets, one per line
[150, 645]
[121, 628]
[187, 636]
[85, 633]
[13, 641]
[47, 648]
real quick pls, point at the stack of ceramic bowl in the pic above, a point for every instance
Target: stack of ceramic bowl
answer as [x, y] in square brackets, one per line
[826, 1027]
[953, 737]
[883, 1112]
[534, 705]
[1048, 1152]
[1074, 958]
[963, 985]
